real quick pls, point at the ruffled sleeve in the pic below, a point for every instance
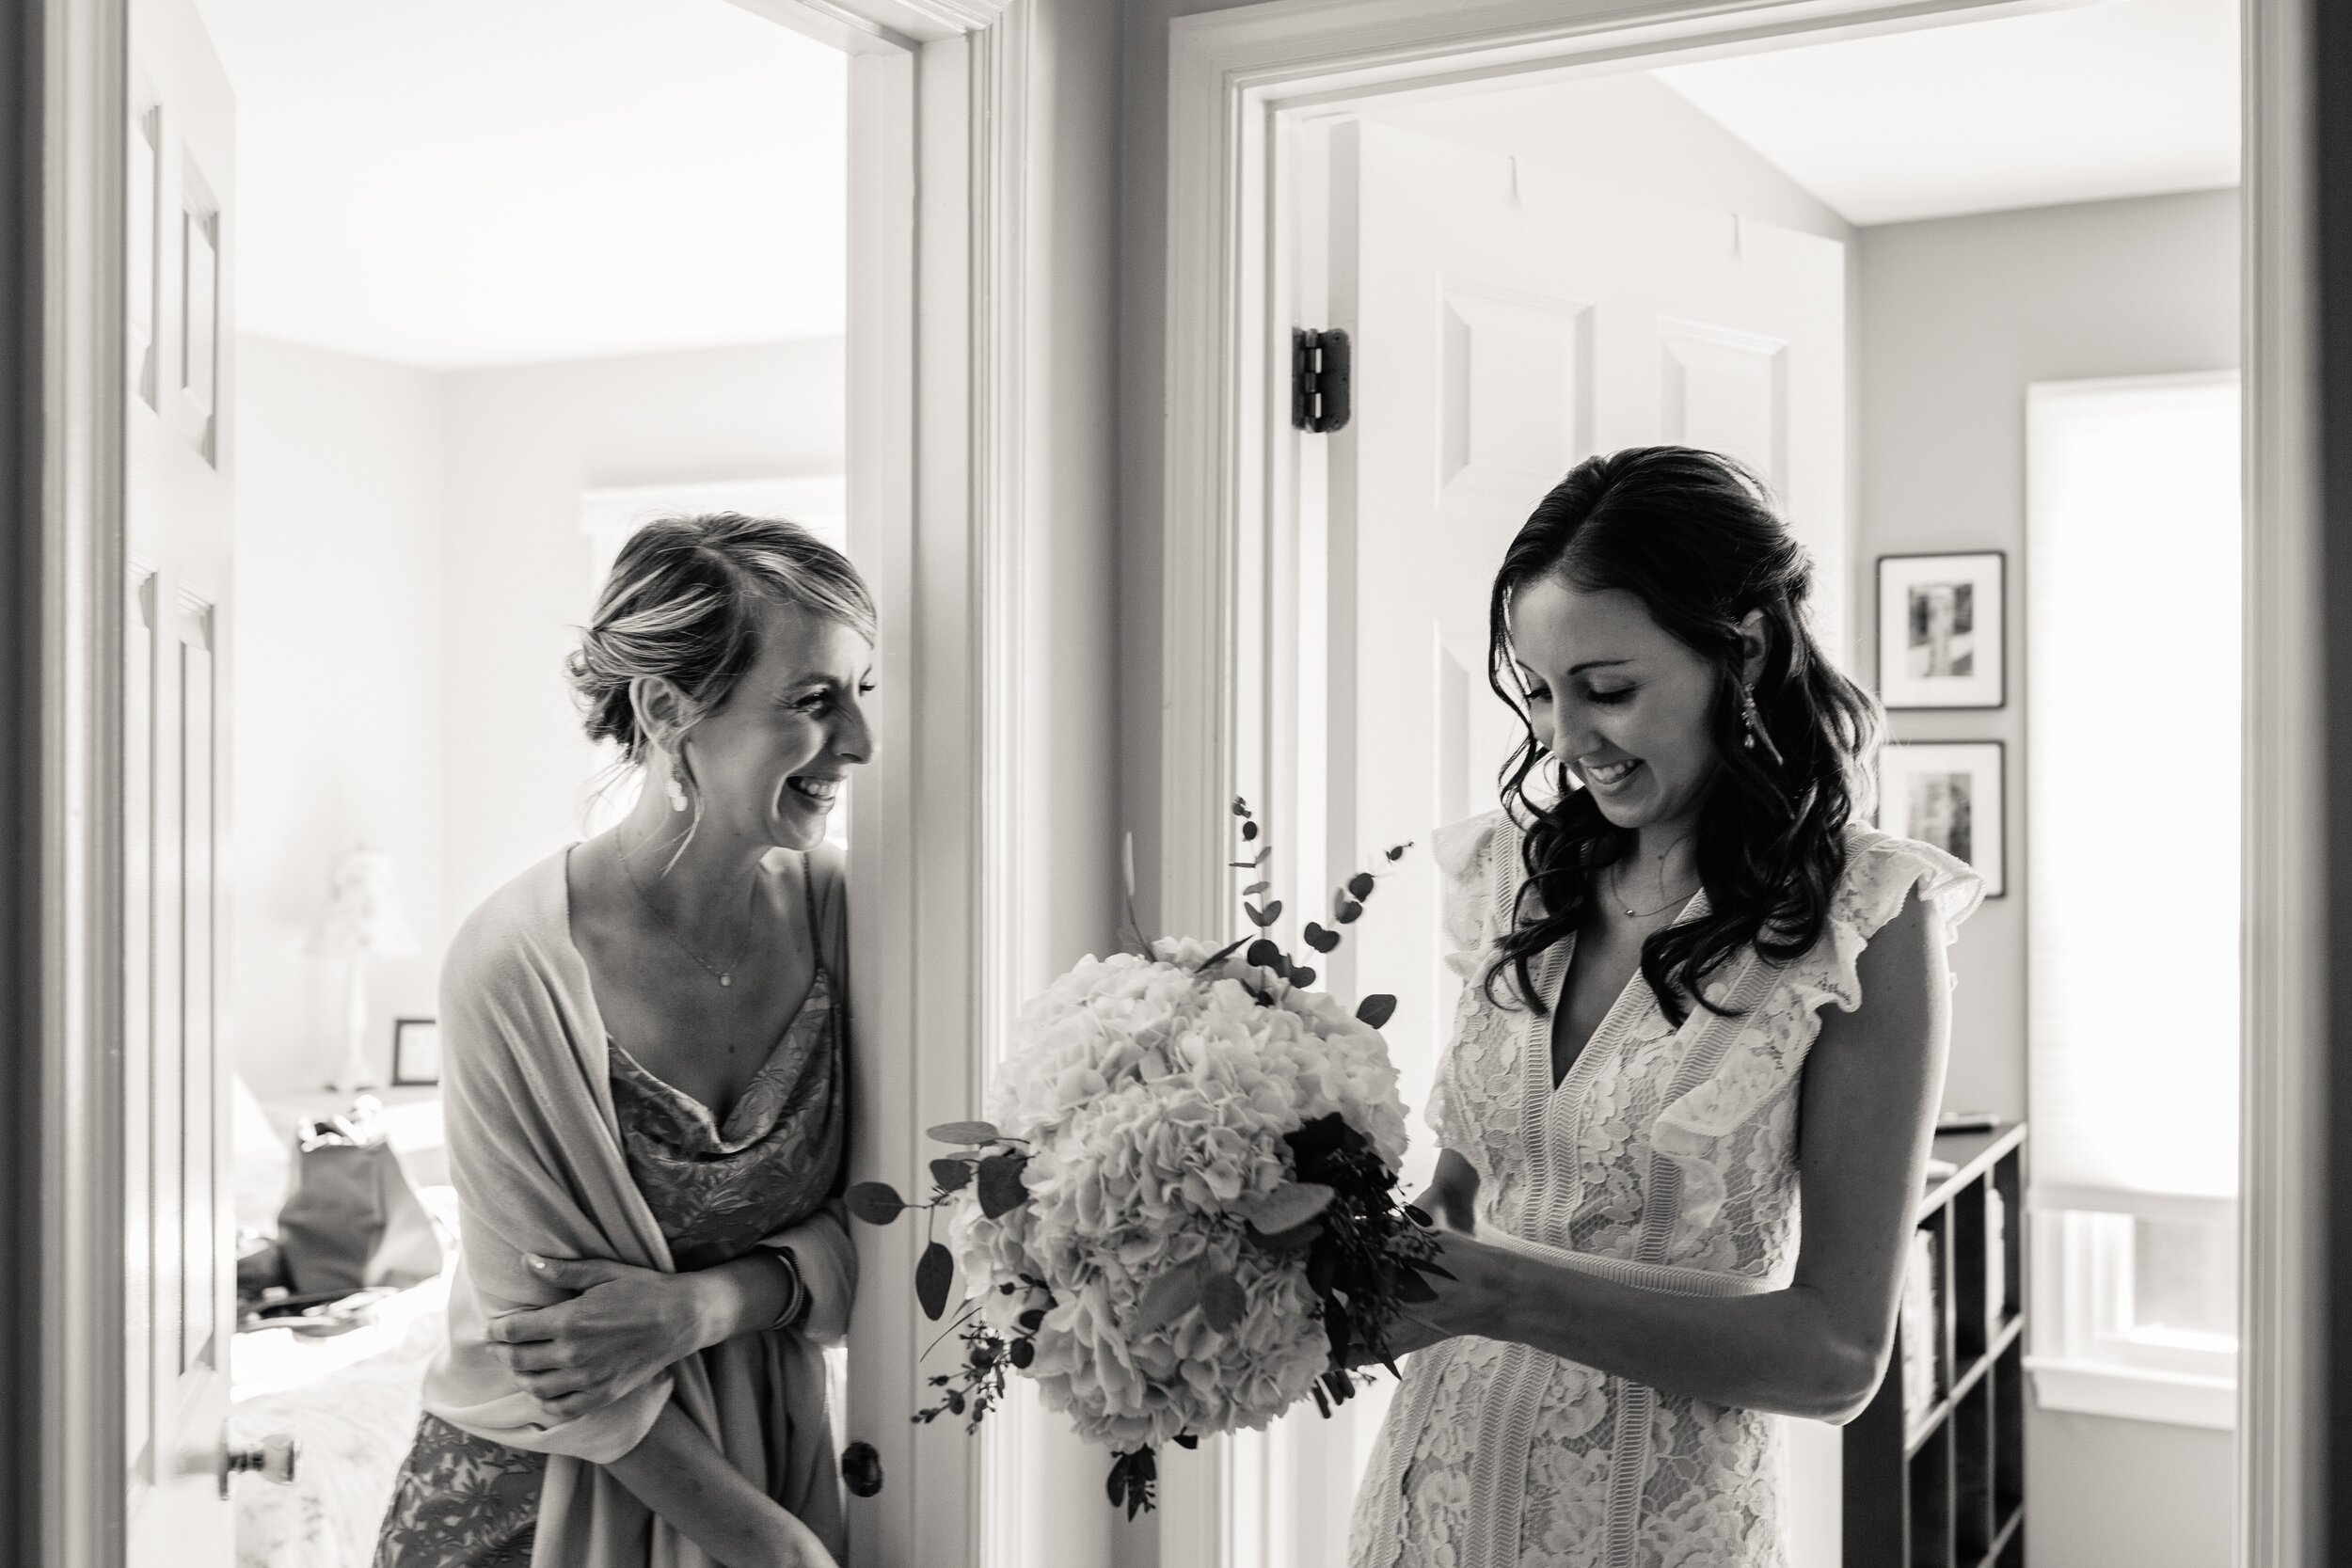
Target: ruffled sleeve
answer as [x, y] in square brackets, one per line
[1882, 872]
[1466, 878]
[1763, 1049]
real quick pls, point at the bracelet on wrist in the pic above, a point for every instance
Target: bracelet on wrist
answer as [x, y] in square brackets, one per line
[796, 1300]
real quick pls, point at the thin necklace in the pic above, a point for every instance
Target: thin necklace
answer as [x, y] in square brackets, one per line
[725, 976]
[1617, 894]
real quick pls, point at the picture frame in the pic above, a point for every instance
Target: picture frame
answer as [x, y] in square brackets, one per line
[415, 1052]
[1954, 796]
[1942, 625]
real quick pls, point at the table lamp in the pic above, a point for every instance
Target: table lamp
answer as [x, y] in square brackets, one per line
[364, 917]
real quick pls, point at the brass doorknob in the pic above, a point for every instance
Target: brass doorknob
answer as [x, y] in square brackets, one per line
[273, 1458]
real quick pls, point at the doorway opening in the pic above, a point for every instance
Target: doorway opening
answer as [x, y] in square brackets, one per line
[1880, 271]
[429, 311]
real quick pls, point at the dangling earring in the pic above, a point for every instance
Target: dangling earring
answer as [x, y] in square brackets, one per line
[674, 783]
[1755, 722]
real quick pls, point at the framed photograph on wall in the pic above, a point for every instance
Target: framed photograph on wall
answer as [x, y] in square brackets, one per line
[416, 1051]
[1949, 794]
[1942, 629]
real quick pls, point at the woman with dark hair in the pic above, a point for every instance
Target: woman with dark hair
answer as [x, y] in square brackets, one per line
[647, 1051]
[1698, 988]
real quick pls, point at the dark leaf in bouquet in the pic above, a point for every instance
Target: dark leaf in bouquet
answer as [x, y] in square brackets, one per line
[1223, 953]
[1338, 1327]
[1285, 1208]
[1322, 1406]
[1188, 1441]
[1340, 1385]
[1167, 1298]
[951, 1175]
[1241, 807]
[1223, 1303]
[965, 1132]
[933, 1275]
[1409, 1285]
[1265, 955]
[1023, 1353]
[1262, 917]
[1031, 1320]
[1427, 1267]
[1254, 889]
[875, 1202]
[1376, 1009]
[1419, 1216]
[1361, 884]
[1001, 1187]
[1248, 831]
[1319, 937]
[1348, 911]
[1396, 851]
[1303, 976]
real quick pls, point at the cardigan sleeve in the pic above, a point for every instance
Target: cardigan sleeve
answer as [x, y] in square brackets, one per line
[538, 1171]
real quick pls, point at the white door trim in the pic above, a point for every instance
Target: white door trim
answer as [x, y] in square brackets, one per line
[939, 229]
[1231, 75]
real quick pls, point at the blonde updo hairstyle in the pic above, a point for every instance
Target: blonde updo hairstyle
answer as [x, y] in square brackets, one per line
[683, 603]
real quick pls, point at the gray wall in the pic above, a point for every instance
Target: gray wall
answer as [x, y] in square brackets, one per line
[1957, 316]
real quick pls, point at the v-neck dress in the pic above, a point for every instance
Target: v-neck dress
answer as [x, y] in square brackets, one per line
[1666, 1158]
[717, 1191]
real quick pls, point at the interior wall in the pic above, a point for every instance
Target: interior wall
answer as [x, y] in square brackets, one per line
[522, 443]
[1958, 316]
[338, 689]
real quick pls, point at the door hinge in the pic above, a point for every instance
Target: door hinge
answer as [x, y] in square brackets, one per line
[1319, 380]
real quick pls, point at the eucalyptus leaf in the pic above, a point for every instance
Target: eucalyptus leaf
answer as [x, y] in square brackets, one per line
[1023, 1353]
[1265, 955]
[1241, 807]
[933, 1275]
[1396, 852]
[1223, 1303]
[1361, 884]
[1302, 976]
[1349, 911]
[1167, 1298]
[1376, 1009]
[1262, 918]
[1285, 1208]
[1254, 889]
[1248, 831]
[951, 1175]
[875, 1202]
[1001, 1187]
[1321, 938]
[966, 1133]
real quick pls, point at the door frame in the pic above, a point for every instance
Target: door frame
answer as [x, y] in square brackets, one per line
[941, 232]
[1233, 76]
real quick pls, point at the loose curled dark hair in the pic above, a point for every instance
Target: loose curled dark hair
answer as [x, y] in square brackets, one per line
[1693, 535]
[683, 602]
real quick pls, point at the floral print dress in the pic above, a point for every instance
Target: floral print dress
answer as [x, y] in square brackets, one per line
[1666, 1158]
[463, 1501]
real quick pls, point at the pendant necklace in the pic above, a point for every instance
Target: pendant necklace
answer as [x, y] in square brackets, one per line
[1616, 896]
[725, 976]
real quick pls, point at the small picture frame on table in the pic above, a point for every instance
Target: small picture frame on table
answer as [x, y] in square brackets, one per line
[1949, 794]
[1942, 630]
[416, 1051]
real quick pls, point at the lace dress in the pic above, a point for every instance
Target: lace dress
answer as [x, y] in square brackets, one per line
[717, 1191]
[1666, 1158]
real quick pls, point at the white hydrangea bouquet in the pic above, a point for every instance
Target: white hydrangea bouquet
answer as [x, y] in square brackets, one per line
[1183, 1217]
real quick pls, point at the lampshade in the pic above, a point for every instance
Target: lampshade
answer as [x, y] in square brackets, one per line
[363, 912]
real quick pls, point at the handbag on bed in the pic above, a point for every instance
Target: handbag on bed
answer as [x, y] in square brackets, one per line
[354, 1220]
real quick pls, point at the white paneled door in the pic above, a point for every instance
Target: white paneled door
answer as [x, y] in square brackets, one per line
[179, 1309]
[1508, 320]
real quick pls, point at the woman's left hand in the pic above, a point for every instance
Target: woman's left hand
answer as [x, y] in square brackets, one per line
[624, 1326]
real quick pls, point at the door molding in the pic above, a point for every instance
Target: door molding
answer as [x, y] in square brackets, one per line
[940, 229]
[1234, 76]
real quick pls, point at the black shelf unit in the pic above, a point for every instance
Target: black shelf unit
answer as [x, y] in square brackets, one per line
[1941, 1483]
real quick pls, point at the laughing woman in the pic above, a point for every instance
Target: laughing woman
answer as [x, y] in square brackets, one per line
[1697, 989]
[646, 1079]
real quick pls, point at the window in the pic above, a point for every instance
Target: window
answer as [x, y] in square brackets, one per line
[2133, 680]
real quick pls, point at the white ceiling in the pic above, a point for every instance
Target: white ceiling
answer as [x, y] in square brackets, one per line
[2114, 99]
[452, 183]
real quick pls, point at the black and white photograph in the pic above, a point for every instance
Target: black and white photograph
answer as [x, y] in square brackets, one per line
[1950, 795]
[1941, 630]
[1175, 783]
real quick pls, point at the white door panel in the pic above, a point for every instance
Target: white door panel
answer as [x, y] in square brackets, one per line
[1507, 322]
[179, 1313]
